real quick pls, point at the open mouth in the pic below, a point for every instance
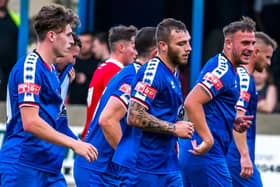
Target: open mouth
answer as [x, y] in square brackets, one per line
[186, 56]
[247, 54]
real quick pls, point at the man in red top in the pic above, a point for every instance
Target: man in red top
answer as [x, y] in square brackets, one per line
[121, 41]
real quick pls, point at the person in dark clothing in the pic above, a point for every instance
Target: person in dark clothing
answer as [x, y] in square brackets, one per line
[85, 65]
[100, 47]
[9, 22]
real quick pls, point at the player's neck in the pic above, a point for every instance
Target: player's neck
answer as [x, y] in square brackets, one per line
[118, 58]
[248, 68]
[167, 62]
[46, 53]
[142, 60]
[230, 58]
[105, 55]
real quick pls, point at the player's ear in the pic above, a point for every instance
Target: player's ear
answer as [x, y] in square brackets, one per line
[163, 46]
[121, 46]
[51, 36]
[256, 51]
[228, 43]
[153, 52]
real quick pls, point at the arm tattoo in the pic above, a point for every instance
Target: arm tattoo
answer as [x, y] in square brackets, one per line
[139, 117]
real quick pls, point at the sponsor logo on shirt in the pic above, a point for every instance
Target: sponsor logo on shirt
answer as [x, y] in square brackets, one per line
[146, 89]
[214, 80]
[29, 88]
[125, 88]
[245, 95]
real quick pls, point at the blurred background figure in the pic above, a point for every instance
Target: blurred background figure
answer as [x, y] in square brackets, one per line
[267, 91]
[266, 12]
[100, 47]
[85, 65]
[9, 22]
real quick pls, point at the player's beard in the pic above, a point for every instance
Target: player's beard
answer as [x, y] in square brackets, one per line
[173, 56]
[259, 66]
[237, 57]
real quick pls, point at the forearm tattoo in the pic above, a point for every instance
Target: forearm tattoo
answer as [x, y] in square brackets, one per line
[139, 117]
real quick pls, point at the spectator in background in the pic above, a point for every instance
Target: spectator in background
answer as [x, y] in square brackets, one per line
[267, 91]
[122, 46]
[100, 47]
[85, 65]
[9, 22]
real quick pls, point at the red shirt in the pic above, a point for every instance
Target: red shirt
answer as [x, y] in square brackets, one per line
[99, 81]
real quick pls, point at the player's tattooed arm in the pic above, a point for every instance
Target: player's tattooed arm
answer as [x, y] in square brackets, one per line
[139, 117]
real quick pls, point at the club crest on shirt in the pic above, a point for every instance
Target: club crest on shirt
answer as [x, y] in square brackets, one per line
[63, 111]
[180, 113]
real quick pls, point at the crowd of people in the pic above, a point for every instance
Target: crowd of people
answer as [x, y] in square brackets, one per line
[136, 132]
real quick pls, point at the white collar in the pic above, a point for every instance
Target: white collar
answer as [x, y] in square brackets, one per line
[118, 63]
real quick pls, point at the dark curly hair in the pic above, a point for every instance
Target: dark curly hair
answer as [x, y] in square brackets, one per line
[53, 18]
